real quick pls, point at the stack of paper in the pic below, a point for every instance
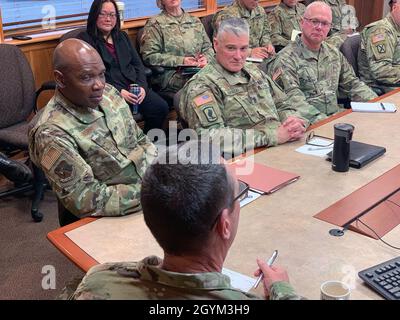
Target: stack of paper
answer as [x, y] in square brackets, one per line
[373, 107]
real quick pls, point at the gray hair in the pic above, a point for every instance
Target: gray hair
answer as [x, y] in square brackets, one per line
[236, 26]
[160, 4]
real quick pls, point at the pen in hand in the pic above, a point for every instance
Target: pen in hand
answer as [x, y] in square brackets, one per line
[269, 262]
[383, 107]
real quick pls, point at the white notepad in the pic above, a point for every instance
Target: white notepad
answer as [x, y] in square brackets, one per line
[373, 107]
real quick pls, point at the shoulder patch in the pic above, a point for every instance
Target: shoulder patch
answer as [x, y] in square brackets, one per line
[204, 98]
[51, 156]
[210, 114]
[381, 48]
[277, 74]
[378, 37]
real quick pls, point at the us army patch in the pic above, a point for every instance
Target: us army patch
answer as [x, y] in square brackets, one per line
[210, 114]
[204, 98]
[51, 156]
[381, 48]
[378, 38]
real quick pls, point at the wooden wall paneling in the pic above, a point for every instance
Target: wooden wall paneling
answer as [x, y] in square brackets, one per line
[1, 29]
[368, 10]
[40, 57]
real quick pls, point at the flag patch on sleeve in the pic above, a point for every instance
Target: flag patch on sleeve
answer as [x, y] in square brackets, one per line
[204, 98]
[51, 156]
[378, 37]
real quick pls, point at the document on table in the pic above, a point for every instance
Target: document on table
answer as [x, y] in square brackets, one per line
[321, 150]
[239, 280]
[373, 107]
[251, 196]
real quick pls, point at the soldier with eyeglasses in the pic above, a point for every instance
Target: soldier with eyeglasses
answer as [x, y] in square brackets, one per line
[311, 71]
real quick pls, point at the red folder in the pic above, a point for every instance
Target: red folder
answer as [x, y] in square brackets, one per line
[261, 178]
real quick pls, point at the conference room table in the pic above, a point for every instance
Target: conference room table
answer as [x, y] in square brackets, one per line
[283, 220]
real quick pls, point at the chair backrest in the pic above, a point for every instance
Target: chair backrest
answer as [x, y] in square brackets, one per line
[72, 34]
[17, 86]
[139, 36]
[350, 48]
[207, 23]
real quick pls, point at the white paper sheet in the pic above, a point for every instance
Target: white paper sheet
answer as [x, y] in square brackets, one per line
[250, 198]
[315, 150]
[239, 280]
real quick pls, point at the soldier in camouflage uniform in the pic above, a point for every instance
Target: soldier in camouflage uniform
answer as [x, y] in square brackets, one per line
[93, 153]
[174, 38]
[340, 31]
[284, 19]
[312, 71]
[231, 99]
[260, 32]
[379, 54]
[191, 206]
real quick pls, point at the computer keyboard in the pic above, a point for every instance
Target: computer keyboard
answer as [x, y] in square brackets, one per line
[384, 278]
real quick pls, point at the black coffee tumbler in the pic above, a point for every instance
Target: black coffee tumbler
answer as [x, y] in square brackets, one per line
[341, 147]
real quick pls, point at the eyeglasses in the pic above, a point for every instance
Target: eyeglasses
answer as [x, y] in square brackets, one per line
[315, 23]
[110, 15]
[312, 135]
[243, 193]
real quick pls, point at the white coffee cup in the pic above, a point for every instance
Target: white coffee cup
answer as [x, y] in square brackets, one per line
[335, 290]
[121, 10]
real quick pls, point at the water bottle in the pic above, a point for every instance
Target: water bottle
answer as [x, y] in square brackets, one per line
[341, 147]
[134, 89]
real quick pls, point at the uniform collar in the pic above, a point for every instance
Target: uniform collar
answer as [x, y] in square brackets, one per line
[232, 78]
[390, 19]
[287, 8]
[83, 114]
[173, 19]
[149, 269]
[244, 12]
[306, 52]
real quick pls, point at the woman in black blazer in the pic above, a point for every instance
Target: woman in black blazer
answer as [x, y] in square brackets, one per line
[122, 62]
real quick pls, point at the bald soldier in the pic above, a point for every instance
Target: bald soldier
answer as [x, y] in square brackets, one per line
[260, 32]
[379, 54]
[312, 71]
[233, 102]
[284, 19]
[92, 151]
[191, 204]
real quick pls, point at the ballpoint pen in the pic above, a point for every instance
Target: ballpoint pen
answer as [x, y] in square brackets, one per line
[269, 263]
[383, 107]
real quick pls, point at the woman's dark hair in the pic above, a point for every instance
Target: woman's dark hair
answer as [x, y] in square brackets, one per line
[94, 12]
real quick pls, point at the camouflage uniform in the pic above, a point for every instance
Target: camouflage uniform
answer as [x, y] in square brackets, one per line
[337, 35]
[379, 54]
[146, 280]
[283, 21]
[312, 79]
[93, 159]
[260, 32]
[336, 6]
[167, 40]
[219, 104]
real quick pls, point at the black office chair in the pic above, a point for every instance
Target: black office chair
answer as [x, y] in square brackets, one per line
[18, 100]
[350, 48]
[180, 120]
[155, 70]
[207, 23]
